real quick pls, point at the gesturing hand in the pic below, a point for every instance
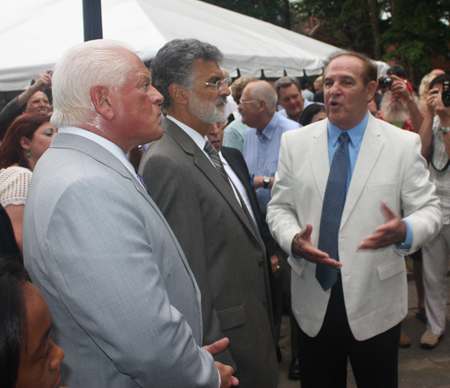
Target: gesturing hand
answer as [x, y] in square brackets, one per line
[301, 246]
[393, 231]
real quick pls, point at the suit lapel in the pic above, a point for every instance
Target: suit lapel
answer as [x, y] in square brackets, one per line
[320, 165]
[103, 156]
[210, 172]
[370, 150]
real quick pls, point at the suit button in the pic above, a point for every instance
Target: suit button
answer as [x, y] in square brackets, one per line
[261, 263]
[265, 303]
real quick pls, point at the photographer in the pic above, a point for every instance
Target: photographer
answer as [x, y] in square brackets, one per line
[436, 147]
[399, 106]
[31, 100]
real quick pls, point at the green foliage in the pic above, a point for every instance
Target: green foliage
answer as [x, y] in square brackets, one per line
[272, 11]
[418, 29]
[415, 29]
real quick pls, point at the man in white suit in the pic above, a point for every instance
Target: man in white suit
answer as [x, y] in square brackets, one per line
[125, 305]
[349, 289]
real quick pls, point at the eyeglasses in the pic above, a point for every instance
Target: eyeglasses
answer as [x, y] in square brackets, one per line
[247, 102]
[218, 84]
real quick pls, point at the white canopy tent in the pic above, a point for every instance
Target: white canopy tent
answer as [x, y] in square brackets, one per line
[35, 33]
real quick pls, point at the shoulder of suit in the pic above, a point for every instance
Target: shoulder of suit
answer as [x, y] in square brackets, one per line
[390, 131]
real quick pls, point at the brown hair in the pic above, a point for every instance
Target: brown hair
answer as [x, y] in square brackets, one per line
[11, 151]
[370, 69]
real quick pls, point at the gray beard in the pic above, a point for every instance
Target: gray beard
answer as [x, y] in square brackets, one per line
[204, 112]
[393, 112]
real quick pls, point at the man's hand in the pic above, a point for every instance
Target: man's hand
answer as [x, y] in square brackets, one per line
[44, 80]
[274, 263]
[392, 232]
[226, 372]
[441, 110]
[226, 376]
[400, 90]
[301, 246]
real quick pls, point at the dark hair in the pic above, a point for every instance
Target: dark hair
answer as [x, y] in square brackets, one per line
[370, 69]
[397, 70]
[13, 317]
[309, 112]
[440, 79]
[174, 63]
[285, 82]
[11, 152]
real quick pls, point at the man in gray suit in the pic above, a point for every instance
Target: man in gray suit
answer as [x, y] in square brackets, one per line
[211, 221]
[125, 305]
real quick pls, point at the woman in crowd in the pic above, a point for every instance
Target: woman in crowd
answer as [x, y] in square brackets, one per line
[312, 113]
[25, 141]
[28, 357]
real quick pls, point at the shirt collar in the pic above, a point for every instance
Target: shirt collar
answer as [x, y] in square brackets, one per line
[356, 133]
[193, 134]
[105, 143]
[270, 128]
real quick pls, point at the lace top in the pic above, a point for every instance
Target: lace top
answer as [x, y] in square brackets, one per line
[14, 182]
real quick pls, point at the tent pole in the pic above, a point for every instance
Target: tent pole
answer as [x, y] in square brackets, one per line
[92, 19]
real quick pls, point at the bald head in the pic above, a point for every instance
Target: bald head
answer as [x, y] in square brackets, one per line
[258, 104]
[262, 90]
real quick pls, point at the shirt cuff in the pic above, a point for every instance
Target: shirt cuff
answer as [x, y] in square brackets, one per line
[406, 245]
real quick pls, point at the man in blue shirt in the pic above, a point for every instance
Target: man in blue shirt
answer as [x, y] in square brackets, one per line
[340, 187]
[262, 140]
[261, 147]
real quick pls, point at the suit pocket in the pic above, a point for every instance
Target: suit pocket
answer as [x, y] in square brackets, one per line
[392, 268]
[382, 188]
[232, 317]
[297, 265]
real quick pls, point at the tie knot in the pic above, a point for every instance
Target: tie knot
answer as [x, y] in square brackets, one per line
[344, 138]
[209, 148]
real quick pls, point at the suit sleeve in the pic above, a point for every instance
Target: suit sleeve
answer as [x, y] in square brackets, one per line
[281, 213]
[107, 277]
[420, 204]
[176, 196]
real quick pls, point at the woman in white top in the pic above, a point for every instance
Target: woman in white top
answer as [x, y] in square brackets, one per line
[25, 141]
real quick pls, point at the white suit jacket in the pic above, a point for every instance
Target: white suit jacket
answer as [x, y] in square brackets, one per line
[389, 168]
[125, 306]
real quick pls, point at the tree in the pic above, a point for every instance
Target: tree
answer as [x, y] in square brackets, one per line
[272, 11]
[417, 31]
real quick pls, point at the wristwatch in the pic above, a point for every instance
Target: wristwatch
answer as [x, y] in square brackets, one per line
[444, 130]
[266, 181]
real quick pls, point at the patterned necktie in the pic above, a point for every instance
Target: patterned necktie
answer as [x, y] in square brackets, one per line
[215, 158]
[333, 205]
[141, 180]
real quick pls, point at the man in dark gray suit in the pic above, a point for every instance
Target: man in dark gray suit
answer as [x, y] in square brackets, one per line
[124, 302]
[209, 217]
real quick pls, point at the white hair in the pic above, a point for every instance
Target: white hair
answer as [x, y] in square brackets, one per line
[96, 62]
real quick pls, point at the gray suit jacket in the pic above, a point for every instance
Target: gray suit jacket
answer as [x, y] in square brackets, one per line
[126, 308]
[224, 250]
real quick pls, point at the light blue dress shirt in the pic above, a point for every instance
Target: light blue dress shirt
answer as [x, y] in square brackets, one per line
[261, 151]
[356, 135]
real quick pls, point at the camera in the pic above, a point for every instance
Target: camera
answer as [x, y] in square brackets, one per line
[446, 94]
[385, 82]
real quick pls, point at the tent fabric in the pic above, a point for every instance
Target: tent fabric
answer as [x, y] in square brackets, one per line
[35, 33]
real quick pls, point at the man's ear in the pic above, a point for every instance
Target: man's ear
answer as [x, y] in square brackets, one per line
[178, 94]
[262, 105]
[371, 89]
[99, 98]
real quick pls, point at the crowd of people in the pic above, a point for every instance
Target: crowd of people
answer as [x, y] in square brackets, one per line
[174, 270]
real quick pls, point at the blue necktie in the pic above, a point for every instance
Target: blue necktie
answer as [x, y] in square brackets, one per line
[333, 205]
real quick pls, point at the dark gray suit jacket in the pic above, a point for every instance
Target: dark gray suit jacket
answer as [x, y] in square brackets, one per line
[224, 250]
